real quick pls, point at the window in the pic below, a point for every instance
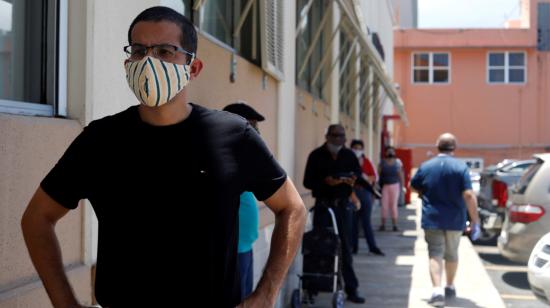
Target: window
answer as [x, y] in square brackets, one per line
[431, 67]
[506, 67]
[312, 23]
[28, 56]
[217, 20]
[526, 178]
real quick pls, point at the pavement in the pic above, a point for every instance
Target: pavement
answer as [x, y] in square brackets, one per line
[401, 278]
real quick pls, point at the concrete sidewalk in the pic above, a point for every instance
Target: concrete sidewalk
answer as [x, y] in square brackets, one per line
[401, 278]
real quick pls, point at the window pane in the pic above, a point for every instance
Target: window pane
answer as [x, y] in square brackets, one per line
[496, 59]
[496, 75]
[316, 14]
[23, 57]
[516, 59]
[249, 40]
[422, 59]
[421, 76]
[441, 59]
[216, 19]
[516, 75]
[441, 76]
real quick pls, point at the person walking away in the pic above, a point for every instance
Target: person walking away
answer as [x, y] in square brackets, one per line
[248, 210]
[363, 189]
[443, 183]
[330, 173]
[391, 180]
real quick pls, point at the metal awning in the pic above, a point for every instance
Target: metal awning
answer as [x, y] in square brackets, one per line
[355, 20]
[352, 12]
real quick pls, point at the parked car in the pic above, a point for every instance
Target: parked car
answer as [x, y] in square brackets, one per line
[528, 217]
[495, 183]
[538, 269]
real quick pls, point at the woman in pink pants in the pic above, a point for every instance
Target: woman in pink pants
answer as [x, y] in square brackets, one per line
[391, 179]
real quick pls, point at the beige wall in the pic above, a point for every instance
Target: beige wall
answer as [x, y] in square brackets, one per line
[30, 147]
[213, 89]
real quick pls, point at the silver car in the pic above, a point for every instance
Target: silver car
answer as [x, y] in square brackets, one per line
[528, 217]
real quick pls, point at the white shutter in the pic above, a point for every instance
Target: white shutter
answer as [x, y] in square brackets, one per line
[271, 21]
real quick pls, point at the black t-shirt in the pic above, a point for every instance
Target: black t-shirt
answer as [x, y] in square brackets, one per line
[166, 198]
[320, 164]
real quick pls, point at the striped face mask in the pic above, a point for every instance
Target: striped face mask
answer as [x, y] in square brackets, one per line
[156, 82]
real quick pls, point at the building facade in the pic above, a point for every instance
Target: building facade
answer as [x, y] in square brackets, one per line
[489, 87]
[303, 64]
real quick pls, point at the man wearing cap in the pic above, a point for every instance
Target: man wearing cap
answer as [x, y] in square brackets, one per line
[444, 186]
[248, 210]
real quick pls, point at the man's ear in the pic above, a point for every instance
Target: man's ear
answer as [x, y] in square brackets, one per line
[196, 68]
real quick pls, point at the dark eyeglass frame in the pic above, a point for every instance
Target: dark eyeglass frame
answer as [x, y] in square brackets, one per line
[128, 51]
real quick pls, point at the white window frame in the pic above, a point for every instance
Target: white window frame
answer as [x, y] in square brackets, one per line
[506, 67]
[430, 68]
[59, 106]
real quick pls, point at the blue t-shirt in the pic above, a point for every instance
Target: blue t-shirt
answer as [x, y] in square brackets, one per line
[441, 181]
[248, 222]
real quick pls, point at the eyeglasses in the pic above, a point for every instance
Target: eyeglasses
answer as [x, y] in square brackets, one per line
[164, 52]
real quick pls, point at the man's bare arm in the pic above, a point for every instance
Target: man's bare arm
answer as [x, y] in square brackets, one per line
[290, 217]
[471, 204]
[38, 225]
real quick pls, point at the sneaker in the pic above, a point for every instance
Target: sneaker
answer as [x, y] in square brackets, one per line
[382, 228]
[354, 298]
[377, 252]
[395, 229]
[437, 300]
[450, 292]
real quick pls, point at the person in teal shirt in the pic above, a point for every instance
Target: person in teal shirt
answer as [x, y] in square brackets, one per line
[248, 211]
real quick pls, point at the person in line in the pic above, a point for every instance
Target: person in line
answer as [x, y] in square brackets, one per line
[363, 188]
[444, 185]
[248, 210]
[391, 179]
[331, 170]
[164, 179]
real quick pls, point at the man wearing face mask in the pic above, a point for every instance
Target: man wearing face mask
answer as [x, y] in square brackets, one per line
[150, 172]
[330, 173]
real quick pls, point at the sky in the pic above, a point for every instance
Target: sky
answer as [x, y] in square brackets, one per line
[466, 13]
[5, 16]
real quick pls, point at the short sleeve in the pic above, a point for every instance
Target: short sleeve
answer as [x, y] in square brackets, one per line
[399, 163]
[66, 183]
[467, 182]
[418, 178]
[263, 175]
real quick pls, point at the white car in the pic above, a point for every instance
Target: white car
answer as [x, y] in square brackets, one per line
[538, 271]
[528, 217]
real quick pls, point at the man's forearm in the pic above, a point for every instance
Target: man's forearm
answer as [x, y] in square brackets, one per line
[45, 254]
[287, 234]
[471, 204]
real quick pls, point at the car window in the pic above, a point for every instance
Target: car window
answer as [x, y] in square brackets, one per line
[517, 168]
[528, 176]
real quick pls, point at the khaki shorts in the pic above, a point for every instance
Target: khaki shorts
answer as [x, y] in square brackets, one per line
[443, 243]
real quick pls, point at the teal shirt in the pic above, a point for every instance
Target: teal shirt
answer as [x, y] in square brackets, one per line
[248, 222]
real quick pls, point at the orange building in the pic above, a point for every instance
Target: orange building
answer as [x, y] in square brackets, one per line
[489, 87]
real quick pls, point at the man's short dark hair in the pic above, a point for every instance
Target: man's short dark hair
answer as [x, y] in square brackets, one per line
[331, 127]
[188, 39]
[355, 142]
